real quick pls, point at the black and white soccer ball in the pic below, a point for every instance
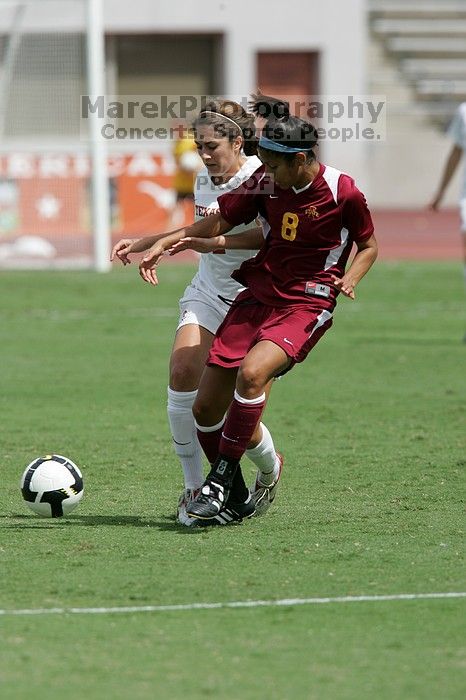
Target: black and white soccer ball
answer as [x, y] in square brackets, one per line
[52, 486]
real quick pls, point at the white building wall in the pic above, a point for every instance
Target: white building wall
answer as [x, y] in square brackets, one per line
[401, 172]
[268, 25]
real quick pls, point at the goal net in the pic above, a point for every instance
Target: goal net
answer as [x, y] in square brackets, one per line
[46, 210]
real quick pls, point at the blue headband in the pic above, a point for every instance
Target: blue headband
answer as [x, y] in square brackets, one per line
[270, 145]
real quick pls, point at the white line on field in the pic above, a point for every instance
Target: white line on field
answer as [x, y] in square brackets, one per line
[285, 602]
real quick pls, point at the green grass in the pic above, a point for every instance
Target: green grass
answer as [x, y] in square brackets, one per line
[372, 428]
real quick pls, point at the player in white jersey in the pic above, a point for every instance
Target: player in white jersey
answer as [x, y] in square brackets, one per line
[224, 135]
[213, 276]
[457, 133]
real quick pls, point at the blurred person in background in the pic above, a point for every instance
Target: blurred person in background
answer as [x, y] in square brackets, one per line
[457, 132]
[187, 164]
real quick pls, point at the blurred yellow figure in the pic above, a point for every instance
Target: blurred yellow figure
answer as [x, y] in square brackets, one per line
[188, 164]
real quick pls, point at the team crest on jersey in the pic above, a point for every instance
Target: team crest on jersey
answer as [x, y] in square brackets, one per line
[312, 211]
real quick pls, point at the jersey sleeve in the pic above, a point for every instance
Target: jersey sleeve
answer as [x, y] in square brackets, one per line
[356, 215]
[241, 205]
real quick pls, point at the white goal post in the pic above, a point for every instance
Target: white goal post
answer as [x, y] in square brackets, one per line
[100, 185]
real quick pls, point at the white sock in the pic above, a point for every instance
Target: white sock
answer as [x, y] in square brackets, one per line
[265, 457]
[185, 442]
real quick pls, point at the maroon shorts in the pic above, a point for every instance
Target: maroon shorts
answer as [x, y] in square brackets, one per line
[295, 329]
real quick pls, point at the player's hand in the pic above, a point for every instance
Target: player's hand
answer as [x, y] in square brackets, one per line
[200, 245]
[122, 249]
[435, 203]
[148, 264]
[345, 285]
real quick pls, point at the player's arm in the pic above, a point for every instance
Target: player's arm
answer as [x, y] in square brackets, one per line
[210, 227]
[234, 208]
[127, 246]
[361, 263]
[246, 240]
[448, 172]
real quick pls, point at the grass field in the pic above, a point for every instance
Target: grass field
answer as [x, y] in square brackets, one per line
[373, 430]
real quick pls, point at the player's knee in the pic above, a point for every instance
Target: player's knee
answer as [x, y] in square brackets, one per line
[182, 377]
[202, 412]
[250, 381]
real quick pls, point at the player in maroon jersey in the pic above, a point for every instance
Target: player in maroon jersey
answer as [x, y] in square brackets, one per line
[312, 215]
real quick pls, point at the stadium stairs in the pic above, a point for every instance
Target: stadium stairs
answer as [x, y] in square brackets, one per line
[416, 57]
[426, 39]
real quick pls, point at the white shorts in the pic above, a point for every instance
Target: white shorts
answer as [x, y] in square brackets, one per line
[463, 215]
[202, 309]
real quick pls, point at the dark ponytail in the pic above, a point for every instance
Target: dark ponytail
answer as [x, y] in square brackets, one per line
[269, 107]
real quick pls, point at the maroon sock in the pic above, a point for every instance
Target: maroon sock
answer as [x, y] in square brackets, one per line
[239, 426]
[210, 443]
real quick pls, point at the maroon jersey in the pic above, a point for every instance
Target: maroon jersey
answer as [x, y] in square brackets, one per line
[310, 233]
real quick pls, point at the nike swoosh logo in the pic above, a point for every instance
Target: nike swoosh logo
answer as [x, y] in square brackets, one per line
[180, 443]
[229, 439]
[287, 341]
[273, 196]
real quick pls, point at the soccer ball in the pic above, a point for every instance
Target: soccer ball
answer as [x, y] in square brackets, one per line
[52, 486]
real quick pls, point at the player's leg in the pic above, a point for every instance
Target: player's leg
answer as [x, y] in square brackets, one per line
[228, 352]
[214, 396]
[463, 236]
[200, 316]
[464, 268]
[260, 365]
[261, 451]
[208, 313]
[269, 464]
[282, 340]
[255, 377]
[210, 416]
[190, 350]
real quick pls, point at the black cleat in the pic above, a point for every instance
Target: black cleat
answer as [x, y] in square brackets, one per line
[210, 501]
[232, 513]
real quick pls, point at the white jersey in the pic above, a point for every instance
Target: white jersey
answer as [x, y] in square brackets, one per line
[457, 132]
[213, 275]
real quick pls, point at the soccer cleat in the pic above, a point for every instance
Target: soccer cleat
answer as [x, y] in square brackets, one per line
[185, 498]
[262, 495]
[232, 513]
[210, 501]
